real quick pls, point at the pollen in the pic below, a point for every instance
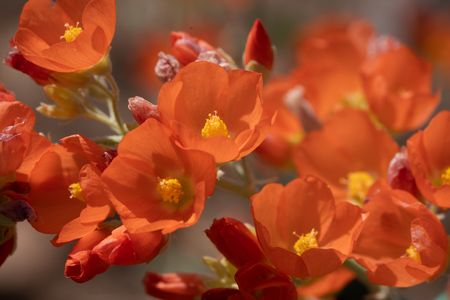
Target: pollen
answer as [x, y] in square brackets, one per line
[445, 176]
[170, 190]
[76, 191]
[413, 253]
[71, 33]
[358, 185]
[214, 126]
[305, 242]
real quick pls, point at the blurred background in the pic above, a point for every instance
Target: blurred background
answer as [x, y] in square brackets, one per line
[35, 271]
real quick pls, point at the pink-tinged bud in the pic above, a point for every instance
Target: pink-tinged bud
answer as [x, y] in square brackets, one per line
[17, 61]
[259, 46]
[235, 241]
[6, 95]
[83, 264]
[399, 173]
[124, 248]
[142, 109]
[7, 243]
[166, 67]
[187, 48]
[382, 44]
[214, 57]
[174, 286]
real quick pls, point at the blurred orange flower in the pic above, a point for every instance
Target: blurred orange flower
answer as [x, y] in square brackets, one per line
[66, 179]
[397, 86]
[349, 153]
[302, 229]
[225, 117]
[156, 184]
[401, 243]
[64, 35]
[429, 160]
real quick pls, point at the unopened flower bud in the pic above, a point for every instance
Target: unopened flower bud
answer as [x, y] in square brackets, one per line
[166, 67]
[17, 61]
[399, 173]
[142, 109]
[259, 47]
[187, 48]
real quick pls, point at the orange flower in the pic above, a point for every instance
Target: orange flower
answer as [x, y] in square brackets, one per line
[429, 160]
[259, 47]
[401, 242]
[349, 153]
[156, 184]
[330, 54]
[225, 117]
[397, 85]
[302, 230]
[286, 131]
[66, 191]
[335, 41]
[64, 35]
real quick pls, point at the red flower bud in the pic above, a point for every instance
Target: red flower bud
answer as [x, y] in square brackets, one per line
[174, 286]
[400, 175]
[83, 264]
[186, 48]
[17, 61]
[142, 109]
[259, 46]
[224, 294]
[265, 282]
[235, 241]
[124, 248]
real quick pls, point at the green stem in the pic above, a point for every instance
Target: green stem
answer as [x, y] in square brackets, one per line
[248, 175]
[235, 188]
[104, 119]
[113, 104]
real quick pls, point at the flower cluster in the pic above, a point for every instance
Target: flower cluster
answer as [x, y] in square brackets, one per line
[358, 204]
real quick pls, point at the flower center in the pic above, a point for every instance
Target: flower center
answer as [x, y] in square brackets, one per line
[358, 185]
[170, 190]
[76, 191]
[445, 176]
[356, 100]
[71, 33]
[305, 242]
[413, 253]
[214, 126]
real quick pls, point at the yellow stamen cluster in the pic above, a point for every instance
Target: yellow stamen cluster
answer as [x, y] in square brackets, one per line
[445, 176]
[76, 191]
[413, 253]
[214, 126]
[170, 190]
[305, 242]
[71, 33]
[358, 185]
